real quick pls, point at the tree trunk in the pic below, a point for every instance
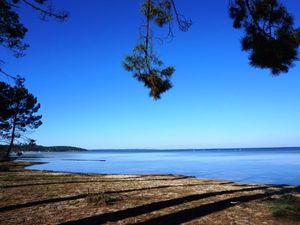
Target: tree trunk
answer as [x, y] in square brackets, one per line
[12, 138]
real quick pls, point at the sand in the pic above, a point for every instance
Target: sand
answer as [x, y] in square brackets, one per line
[43, 197]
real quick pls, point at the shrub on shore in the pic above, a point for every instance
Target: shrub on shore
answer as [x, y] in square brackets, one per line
[287, 206]
[102, 199]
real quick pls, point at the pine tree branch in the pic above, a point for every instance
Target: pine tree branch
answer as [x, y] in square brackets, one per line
[60, 16]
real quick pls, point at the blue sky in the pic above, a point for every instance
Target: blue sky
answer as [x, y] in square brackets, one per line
[88, 100]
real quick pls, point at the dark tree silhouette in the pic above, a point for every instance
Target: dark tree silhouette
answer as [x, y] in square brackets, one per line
[17, 105]
[12, 31]
[19, 112]
[5, 113]
[270, 35]
[143, 62]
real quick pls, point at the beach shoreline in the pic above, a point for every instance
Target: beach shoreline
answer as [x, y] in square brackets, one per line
[45, 197]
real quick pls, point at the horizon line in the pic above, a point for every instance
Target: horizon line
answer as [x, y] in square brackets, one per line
[166, 149]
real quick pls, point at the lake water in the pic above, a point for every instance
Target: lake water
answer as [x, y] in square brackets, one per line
[264, 166]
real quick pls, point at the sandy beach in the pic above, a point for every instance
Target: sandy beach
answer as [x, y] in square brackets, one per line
[43, 197]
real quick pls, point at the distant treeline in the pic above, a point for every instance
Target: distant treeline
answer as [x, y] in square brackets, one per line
[41, 148]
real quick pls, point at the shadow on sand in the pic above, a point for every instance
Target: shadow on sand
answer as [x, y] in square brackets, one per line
[70, 198]
[187, 214]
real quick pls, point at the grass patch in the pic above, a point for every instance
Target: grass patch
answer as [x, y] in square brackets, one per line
[103, 199]
[287, 206]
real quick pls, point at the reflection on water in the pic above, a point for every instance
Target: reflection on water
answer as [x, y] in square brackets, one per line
[266, 166]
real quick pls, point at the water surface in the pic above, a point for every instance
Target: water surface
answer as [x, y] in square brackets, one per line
[263, 166]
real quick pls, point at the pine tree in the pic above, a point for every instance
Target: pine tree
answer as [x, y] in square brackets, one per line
[270, 35]
[5, 113]
[19, 114]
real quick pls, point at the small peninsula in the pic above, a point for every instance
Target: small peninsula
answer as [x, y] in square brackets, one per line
[40, 148]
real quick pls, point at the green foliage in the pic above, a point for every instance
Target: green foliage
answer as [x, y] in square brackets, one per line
[18, 107]
[160, 11]
[287, 206]
[149, 70]
[29, 146]
[11, 30]
[101, 199]
[23, 106]
[18, 113]
[270, 35]
[5, 113]
[143, 62]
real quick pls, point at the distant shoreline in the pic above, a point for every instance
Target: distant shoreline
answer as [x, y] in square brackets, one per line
[197, 149]
[40, 148]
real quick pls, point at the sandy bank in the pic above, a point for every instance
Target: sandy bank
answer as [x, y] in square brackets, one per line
[41, 197]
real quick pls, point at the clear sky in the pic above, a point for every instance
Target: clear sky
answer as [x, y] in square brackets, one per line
[88, 100]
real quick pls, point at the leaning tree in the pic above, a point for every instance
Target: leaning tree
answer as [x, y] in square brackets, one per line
[18, 107]
[5, 113]
[19, 115]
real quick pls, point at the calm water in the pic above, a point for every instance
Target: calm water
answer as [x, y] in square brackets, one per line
[265, 166]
